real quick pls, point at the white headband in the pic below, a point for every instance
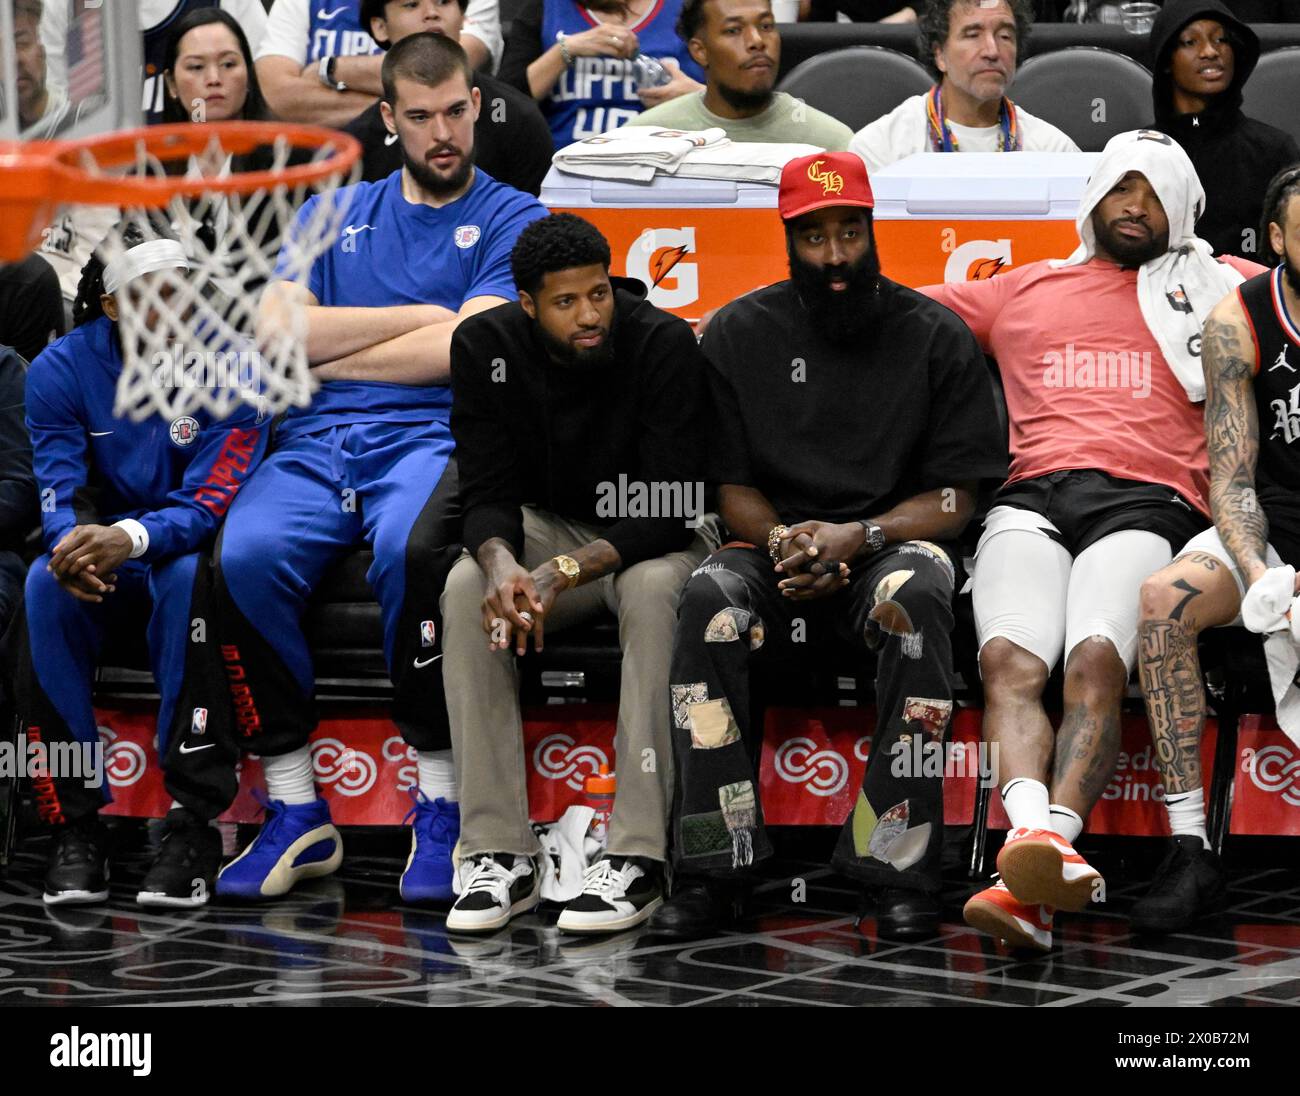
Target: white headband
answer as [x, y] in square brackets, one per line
[144, 259]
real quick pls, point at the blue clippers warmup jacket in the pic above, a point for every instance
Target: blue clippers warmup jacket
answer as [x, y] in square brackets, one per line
[177, 477]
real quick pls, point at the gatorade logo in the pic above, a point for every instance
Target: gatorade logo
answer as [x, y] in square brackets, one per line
[656, 258]
[978, 260]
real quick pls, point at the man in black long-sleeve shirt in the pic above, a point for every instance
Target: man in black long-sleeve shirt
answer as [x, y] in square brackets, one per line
[577, 415]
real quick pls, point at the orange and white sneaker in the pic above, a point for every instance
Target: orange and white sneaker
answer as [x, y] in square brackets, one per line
[1040, 867]
[996, 912]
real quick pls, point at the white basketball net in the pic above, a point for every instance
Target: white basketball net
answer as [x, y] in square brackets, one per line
[193, 339]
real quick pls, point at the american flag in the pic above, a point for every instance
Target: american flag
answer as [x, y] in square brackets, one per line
[85, 49]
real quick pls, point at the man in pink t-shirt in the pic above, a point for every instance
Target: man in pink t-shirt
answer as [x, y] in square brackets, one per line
[1109, 477]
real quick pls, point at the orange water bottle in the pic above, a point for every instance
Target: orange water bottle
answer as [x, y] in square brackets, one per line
[599, 792]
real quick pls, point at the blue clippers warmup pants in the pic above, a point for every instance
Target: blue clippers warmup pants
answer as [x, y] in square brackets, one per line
[315, 498]
[59, 647]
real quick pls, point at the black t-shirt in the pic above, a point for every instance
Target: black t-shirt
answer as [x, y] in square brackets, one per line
[834, 434]
[512, 141]
[31, 306]
[530, 431]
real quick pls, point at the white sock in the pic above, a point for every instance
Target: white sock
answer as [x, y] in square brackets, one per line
[289, 777]
[1187, 814]
[1066, 822]
[1026, 803]
[437, 775]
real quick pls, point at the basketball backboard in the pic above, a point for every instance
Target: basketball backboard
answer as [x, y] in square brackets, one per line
[68, 68]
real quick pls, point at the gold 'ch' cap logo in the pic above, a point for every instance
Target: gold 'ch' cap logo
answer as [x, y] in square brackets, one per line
[832, 181]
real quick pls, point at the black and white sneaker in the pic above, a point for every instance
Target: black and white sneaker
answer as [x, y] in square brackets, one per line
[498, 886]
[618, 892]
[77, 870]
[184, 871]
[1189, 884]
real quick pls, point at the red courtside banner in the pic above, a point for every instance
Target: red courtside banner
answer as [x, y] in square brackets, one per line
[1266, 784]
[811, 767]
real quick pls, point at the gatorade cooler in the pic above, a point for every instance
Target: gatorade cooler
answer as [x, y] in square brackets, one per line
[700, 243]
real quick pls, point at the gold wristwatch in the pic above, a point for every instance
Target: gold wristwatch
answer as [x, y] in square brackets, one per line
[568, 567]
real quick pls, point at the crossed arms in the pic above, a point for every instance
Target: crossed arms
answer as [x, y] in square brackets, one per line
[399, 344]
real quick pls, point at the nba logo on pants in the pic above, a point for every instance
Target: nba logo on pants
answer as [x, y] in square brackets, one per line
[426, 633]
[199, 721]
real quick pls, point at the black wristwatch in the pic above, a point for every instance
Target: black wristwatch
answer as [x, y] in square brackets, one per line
[873, 536]
[325, 70]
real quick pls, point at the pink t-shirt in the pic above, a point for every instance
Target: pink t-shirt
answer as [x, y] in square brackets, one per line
[1085, 381]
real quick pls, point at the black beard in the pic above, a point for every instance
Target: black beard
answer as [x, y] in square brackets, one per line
[568, 356]
[431, 182]
[1291, 274]
[843, 317]
[1129, 253]
[745, 100]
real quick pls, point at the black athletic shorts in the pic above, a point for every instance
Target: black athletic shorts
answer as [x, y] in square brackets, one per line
[1086, 505]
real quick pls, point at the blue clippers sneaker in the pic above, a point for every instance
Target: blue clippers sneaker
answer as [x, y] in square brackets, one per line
[429, 868]
[298, 841]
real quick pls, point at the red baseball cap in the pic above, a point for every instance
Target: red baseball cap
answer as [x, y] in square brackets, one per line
[821, 180]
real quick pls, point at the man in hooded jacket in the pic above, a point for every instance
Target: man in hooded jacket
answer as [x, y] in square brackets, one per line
[1202, 55]
[1100, 361]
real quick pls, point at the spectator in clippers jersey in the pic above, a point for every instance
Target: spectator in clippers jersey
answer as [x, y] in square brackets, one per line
[1099, 357]
[577, 61]
[126, 508]
[1242, 570]
[369, 462]
[971, 47]
[319, 64]
[511, 140]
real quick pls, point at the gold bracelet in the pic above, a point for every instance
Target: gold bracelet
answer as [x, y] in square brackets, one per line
[774, 542]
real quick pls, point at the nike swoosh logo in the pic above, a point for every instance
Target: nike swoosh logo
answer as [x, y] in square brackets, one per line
[352, 230]
[196, 749]
[1064, 850]
[100, 433]
[326, 16]
[391, 139]
[420, 665]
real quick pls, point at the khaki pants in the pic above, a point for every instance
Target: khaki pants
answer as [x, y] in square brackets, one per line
[483, 691]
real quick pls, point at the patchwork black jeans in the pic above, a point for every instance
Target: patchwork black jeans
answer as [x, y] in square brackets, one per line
[732, 617]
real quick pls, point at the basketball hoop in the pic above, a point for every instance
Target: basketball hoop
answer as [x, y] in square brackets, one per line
[232, 194]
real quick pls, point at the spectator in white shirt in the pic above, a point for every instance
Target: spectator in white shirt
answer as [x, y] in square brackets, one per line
[318, 64]
[971, 47]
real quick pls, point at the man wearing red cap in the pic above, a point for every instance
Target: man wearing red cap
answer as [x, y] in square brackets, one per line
[855, 424]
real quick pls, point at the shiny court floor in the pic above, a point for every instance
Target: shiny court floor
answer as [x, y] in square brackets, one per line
[348, 940]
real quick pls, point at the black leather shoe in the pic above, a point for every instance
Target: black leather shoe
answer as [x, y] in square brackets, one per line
[906, 915]
[696, 909]
[1189, 884]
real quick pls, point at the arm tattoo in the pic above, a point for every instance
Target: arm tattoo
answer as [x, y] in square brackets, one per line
[1170, 673]
[1232, 438]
